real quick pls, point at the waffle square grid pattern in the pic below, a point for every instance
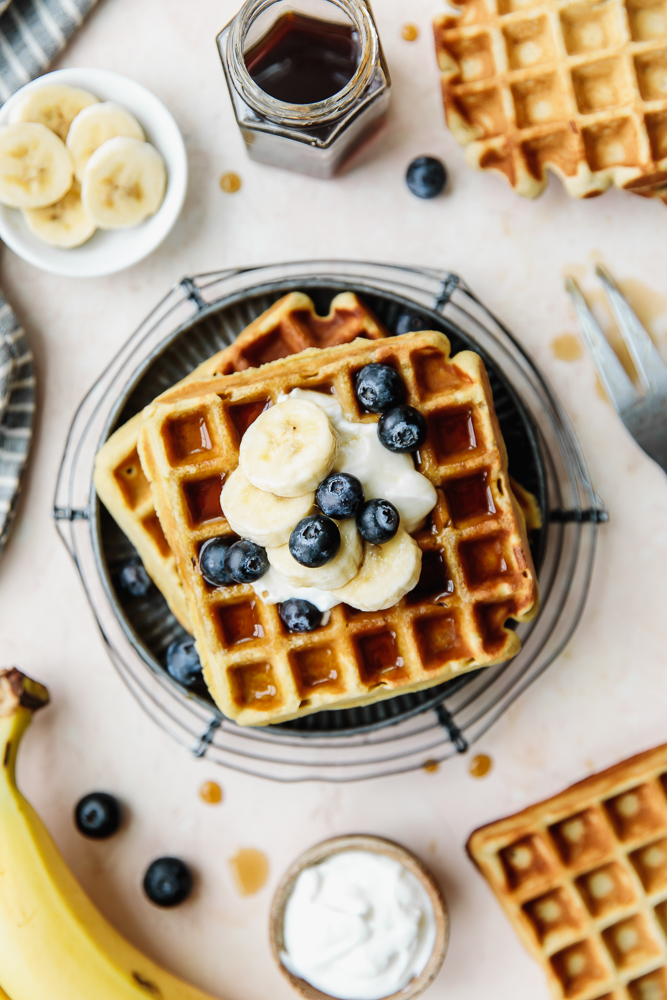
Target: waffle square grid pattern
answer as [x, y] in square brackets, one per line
[476, 566]
[583, 878]
[576, 88]
[289, 326]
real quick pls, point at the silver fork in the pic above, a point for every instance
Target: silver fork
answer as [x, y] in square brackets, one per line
[644, 413]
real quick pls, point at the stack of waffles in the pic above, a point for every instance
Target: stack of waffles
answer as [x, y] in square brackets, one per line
[476, 566]
[289, 326]
[583, 878]
[576, 88]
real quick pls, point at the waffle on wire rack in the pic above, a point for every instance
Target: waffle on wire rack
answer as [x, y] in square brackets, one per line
[579, 89]
[477, 570]
[289, 326]
[583, 878]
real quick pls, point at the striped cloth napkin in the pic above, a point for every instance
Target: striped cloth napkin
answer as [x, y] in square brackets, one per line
[17, 412]
[32, 33]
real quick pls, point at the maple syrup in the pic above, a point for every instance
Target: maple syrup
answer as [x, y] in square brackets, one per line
[304, 60]
[309, 85]
[250, 869]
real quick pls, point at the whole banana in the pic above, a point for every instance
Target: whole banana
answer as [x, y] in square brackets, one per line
[54, 943]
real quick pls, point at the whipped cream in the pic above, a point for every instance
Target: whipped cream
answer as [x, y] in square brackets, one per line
[358, 926]
[382, 473]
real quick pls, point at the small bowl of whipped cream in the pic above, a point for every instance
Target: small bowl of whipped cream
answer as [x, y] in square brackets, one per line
[359, 918]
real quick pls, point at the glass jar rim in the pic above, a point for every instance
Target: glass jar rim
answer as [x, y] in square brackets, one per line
[300, 114]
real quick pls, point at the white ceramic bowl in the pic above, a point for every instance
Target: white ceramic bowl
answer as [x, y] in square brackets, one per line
[112, 250]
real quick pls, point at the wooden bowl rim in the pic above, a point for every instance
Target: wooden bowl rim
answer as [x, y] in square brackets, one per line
[375, 845]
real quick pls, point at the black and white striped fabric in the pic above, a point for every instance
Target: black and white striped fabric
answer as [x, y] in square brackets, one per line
[17, 413]
[32, 33]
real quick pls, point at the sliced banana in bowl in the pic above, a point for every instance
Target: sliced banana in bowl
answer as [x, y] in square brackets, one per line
[93, 126]
[135, 191]
[123, 183]
[55, 106]
[35, 166]
[64, 224]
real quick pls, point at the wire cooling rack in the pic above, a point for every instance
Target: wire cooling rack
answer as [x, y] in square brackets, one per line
[196, 318]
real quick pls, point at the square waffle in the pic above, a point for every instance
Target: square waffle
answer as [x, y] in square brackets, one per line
[476, 566]
[583, 878]
[289, 326]
[578, 88]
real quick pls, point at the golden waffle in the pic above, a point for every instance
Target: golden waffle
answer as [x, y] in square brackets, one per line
[578, 88]
[476, 571]
[289, 326]
[583, 878]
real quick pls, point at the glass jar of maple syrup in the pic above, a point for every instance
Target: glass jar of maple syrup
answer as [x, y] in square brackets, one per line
[308, 80]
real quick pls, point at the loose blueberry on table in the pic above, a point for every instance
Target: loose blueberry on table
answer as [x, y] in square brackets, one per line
[183, 663]
[168, 881]
[98, 815]
[426, 177]
[133, 579]
[378, 521]
[299, 615]
[379, 387]
[315, 541]
[402, 429]
[246, 561]
[212, 557]
[340, 495]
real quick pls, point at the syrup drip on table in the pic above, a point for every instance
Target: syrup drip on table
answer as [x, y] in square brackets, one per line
[480, 765]
[303, 60]
[250, 869]
[211, 792]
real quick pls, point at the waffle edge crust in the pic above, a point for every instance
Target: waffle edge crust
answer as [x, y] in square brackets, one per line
[474, 543]
[579, 89]
[583, 879]
[289, 326]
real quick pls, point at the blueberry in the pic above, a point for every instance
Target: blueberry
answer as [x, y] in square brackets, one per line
[98, 815]
[378, 387]
[299, 615]
[315, 540]
[168, 881]
[183, 662]
[402, 429]
[426, 176]
[409, 322]
[378, 521]
[340, 495]
[133, 578]
[212, 556]
[246, 561]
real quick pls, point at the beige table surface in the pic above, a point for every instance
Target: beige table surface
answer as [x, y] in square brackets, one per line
[605, 698]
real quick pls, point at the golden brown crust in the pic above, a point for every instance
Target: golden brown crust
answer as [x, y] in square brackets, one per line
[583, 878]
[568, 88]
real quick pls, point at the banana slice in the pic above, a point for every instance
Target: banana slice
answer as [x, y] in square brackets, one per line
[35, 166]
[55, 105]
[335, 573]
[289, 449]
[94, 126]
[124, 183]
[65, 224]
[388, 572]
[262, 517]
